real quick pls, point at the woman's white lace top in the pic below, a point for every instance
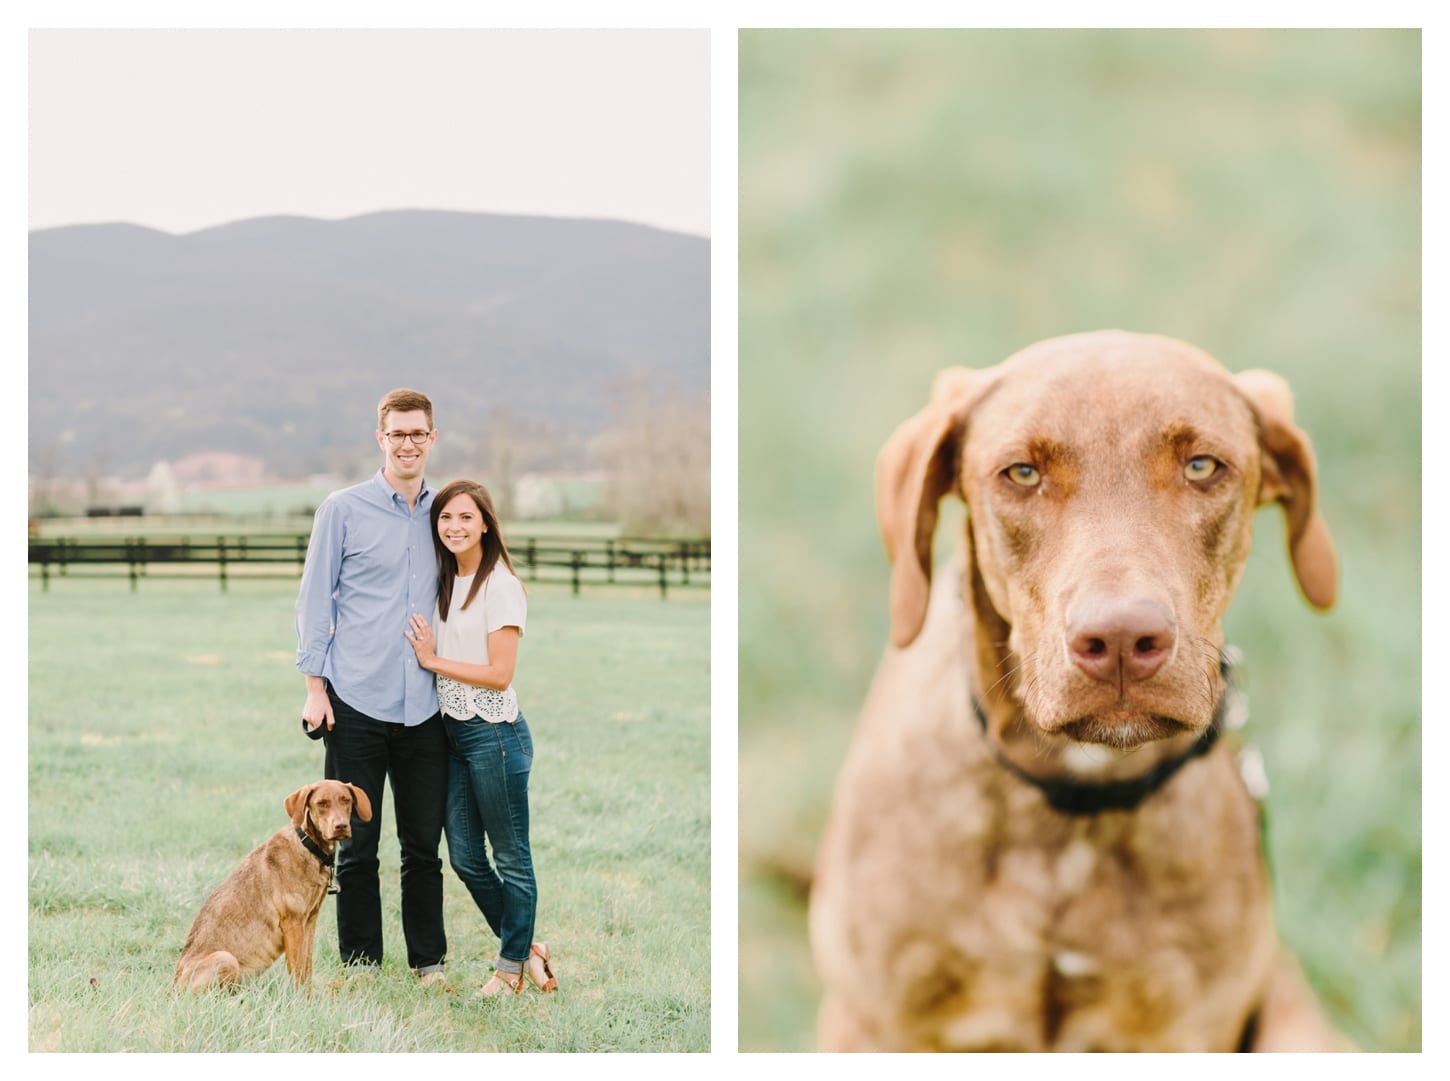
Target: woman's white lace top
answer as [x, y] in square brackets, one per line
[464, 637]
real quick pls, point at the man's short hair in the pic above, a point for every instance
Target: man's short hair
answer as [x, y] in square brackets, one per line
[403, 400]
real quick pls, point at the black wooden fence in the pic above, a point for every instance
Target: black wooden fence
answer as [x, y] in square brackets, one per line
[633, 561]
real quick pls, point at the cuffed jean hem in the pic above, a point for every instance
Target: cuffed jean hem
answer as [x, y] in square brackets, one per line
[424, 970]
[513, 968]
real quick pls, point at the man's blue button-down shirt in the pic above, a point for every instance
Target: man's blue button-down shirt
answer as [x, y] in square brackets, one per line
[370, 565]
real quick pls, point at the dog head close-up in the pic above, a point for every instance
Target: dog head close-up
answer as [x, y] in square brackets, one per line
[329, 806]
[1104, 333]
[1111, 481]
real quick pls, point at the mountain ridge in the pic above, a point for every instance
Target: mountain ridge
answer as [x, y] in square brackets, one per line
[275, 336]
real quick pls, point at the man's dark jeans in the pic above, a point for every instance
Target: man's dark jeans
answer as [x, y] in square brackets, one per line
[362, 751]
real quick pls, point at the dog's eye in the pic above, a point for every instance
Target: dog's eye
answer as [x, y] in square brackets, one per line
[1201, 467]
[1023, 475]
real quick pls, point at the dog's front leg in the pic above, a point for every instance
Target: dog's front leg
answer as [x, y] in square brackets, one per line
[309, 942]
[839, 1028]
[297, 944]
[1291, 1018]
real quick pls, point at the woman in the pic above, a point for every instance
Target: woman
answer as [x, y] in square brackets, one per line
[472, 646]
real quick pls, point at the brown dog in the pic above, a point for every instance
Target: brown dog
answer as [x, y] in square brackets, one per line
[268, 906]
[1038, 842]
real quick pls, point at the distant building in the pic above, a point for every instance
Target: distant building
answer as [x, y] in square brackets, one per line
[163, 494]
[558, 495]
[219, 469]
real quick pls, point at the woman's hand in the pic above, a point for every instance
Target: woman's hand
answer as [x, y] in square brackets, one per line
[419, 633]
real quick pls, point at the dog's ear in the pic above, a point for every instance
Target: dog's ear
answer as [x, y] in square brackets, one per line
[361, 805]
[296, 804]
[917, 466]
[1289, 476]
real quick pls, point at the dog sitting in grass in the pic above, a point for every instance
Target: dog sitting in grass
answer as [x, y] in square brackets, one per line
[269, 905]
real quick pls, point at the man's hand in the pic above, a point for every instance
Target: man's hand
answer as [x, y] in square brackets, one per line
[317, 708]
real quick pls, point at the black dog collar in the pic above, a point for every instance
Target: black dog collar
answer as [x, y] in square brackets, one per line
[1068, 795]
[323, 858]
[312, 846]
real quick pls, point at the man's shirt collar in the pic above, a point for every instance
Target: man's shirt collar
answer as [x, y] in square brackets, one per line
[392, 495]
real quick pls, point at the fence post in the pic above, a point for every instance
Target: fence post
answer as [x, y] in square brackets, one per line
[137, 552]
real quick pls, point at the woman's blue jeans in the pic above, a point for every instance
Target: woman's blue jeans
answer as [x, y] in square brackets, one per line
[488, 797]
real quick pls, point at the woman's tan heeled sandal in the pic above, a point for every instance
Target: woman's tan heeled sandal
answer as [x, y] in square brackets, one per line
[548, 984]
[499, 984]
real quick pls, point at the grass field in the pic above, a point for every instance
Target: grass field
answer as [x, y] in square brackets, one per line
[913, 200]
[164, 735]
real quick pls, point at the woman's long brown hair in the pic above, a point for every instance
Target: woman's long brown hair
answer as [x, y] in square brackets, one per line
[494, 548]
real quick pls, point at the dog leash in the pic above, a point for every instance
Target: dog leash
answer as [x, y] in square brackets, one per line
[1071, 796]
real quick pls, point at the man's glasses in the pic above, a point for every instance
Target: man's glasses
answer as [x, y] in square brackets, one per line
[395, 439]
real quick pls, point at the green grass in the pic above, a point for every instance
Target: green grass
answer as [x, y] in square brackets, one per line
[912, 200]
[164, 735]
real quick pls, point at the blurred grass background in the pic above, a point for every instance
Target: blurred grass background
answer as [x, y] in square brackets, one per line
[915, 199]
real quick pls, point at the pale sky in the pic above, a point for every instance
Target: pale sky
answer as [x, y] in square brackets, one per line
[184, 129]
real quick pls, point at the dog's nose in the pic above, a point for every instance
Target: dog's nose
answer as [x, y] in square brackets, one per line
[1107, 636]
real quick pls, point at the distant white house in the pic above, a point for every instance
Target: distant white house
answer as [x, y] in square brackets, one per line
[163, 494]
[557, 495]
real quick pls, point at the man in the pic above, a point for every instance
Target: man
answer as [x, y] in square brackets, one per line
[370, 565]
